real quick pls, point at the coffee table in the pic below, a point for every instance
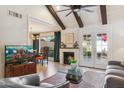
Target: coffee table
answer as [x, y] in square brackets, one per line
[73, 75]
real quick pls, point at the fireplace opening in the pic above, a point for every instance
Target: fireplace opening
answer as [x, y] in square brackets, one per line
[67, 55]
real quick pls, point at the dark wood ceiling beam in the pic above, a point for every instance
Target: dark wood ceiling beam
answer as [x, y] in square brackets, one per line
[53, 13]
[103, 14]
[78, 19]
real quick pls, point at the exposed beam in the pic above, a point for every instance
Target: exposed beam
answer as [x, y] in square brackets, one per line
[53, 13]
[103, 14]
[78, 19]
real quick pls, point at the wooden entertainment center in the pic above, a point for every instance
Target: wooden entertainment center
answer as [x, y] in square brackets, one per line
[12, 70]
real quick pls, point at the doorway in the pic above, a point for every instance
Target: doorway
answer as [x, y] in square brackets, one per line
[95, 51]
[47, 40]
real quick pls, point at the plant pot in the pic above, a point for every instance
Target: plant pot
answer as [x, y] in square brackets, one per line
[73, 66]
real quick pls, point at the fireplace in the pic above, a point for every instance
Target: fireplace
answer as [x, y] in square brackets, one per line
[68, 51]
[67, 55]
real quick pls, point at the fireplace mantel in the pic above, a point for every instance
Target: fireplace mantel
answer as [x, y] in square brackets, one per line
[75, 50]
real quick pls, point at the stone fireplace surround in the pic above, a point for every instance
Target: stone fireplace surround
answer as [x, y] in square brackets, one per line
[76, 54]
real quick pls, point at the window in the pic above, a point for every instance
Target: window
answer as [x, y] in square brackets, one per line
[101, 45]
[87, 48]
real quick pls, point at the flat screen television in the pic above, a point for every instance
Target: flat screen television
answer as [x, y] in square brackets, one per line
[18, 53]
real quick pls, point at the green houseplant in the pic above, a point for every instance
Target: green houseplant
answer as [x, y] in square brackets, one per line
[72, 62]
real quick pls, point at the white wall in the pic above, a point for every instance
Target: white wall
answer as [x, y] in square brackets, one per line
[115, 27]
[116, 37]
[14, 31]
[67, 31]
[37, 26]
[118, 41]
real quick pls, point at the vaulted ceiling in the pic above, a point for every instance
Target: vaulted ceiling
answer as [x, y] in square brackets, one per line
[101, 15]
[78, 19]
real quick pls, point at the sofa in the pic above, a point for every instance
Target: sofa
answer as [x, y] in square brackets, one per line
[114, 76]
[29, 81]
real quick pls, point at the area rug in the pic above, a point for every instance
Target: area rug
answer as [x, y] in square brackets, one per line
[90, 79]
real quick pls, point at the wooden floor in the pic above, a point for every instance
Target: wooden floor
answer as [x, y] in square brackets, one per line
[51, 68]
[46, 70]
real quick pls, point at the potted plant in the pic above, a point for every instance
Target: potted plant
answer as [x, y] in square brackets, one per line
[89, 53]
[72, 62]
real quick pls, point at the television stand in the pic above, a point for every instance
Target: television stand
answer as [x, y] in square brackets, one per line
[12, 70]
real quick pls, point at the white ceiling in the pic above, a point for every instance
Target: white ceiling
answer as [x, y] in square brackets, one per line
[93, 18]
[115, 13]
[69, 21]
[40, 20]
[88, 18]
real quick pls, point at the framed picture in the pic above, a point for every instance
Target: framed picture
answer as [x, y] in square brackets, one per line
[69, 38]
